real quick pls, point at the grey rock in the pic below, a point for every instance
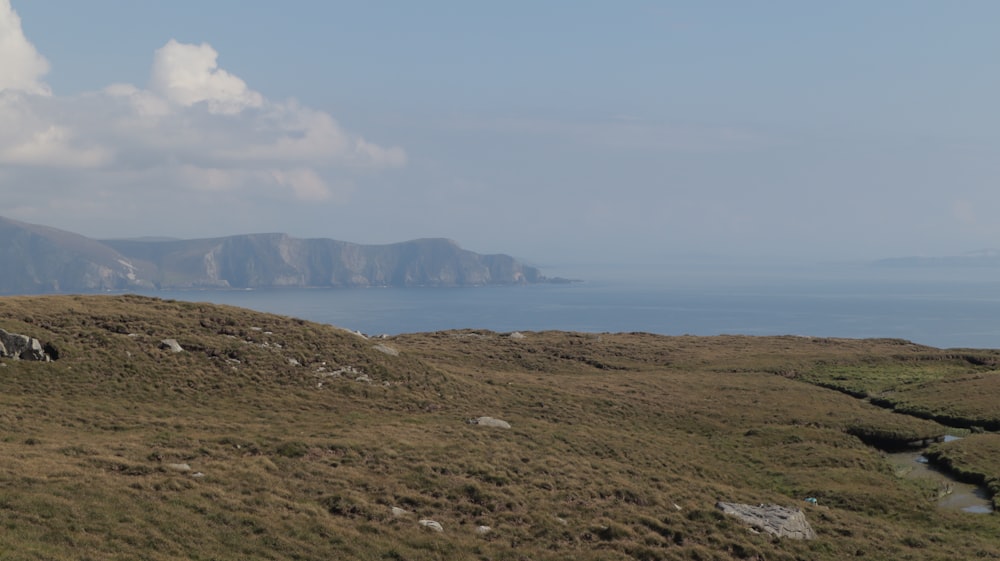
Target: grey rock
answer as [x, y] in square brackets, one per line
[432, 524]
[780, 521]
[489, 422]
[172, 345]
[21, 347]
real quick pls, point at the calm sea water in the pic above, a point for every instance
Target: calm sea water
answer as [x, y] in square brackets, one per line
[942, 309]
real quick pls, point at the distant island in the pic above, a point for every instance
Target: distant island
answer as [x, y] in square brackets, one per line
[983, 258]
[39, 259]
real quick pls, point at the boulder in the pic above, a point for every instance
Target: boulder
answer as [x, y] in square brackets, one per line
[21, 347]
[432, 524]
[489, 422]
[172, 345]
[780, 521]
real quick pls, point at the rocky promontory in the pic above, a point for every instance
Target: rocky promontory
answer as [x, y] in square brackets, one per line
[39, 259]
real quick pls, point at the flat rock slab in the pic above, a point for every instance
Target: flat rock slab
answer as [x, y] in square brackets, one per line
[780, 521]
[489, 422]
[432, 524]
[172, 345]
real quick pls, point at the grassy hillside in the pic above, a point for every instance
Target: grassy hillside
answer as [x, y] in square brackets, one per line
[274, 438]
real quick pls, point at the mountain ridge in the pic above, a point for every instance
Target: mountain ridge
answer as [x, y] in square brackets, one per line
[42, 259]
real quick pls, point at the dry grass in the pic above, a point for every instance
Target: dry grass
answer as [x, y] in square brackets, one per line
[619, 447]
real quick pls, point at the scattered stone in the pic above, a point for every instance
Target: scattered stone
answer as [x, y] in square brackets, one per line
[340, 372]
[489, 422]
[172, 345]
[386, 349]
[397, 512]
[198, 474]
[483, 530]
[354, 332]
[293, 362]
[517, 335]
[363, 378]
[179, 467]
[432, 524]
[21, 347]
[780, 521]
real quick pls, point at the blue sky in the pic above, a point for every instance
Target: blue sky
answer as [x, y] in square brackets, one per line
[560, 132]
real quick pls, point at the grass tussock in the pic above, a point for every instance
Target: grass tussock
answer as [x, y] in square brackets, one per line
[274, 438]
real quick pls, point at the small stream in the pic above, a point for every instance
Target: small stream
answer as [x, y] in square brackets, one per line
[952, 494]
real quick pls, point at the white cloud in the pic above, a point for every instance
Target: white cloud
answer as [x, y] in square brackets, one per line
[195, 128]
[54, 146]
[305, 183]
[189, 74]
[22, 66]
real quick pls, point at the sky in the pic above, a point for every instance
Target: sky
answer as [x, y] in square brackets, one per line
[561, 132]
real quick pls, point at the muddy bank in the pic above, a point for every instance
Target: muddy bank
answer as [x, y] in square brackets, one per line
[950, 490]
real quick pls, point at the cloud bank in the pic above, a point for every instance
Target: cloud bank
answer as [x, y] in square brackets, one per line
[23, 66]
[194, 128]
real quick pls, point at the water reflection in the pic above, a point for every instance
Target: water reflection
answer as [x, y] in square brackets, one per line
[952, 494]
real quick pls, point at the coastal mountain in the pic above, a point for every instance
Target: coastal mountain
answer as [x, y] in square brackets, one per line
[39, 259]
[42, 259]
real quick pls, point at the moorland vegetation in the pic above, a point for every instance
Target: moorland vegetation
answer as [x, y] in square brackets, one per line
[269, 437]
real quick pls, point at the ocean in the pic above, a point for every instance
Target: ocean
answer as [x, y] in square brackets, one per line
[951, 308]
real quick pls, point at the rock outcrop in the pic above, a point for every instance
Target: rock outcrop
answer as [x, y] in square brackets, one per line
[21, 347]
[780, 521]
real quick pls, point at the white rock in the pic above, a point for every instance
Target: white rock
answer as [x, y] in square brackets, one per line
[481, 530]
[432, 524]
[517, 335]
[172, 345]
[490, 422]
[178, 467]
[397, 512]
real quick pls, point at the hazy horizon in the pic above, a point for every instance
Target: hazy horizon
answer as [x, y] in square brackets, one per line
[638, 131]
